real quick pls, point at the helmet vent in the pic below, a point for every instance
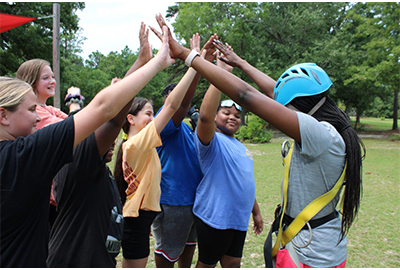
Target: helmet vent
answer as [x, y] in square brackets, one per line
[284, 76]
[278, 84]
[304, 71]
[295, 71]
[316, 76]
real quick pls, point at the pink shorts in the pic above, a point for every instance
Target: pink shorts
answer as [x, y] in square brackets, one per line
[283, 260]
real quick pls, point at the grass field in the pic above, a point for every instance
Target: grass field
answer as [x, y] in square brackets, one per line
[373, 240]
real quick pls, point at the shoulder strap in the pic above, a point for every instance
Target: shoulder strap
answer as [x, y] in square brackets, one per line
[308, 212]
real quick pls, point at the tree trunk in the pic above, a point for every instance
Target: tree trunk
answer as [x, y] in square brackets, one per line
[395, 109]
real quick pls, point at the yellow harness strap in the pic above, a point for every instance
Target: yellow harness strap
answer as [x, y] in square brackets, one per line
[307, 213]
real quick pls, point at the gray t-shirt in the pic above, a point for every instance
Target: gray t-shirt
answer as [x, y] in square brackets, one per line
[315, 167]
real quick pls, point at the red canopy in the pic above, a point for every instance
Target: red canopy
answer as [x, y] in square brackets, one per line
[8, 21]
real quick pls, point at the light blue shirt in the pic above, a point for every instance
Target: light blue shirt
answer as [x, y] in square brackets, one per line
[225, 196]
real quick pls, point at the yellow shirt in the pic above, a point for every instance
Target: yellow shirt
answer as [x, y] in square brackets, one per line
[142, 171]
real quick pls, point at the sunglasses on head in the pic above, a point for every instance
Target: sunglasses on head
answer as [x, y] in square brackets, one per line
[229, 103]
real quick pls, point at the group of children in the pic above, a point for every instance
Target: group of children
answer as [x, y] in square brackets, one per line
[188, 185]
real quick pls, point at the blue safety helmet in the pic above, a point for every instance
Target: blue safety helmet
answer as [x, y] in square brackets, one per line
[301, 80]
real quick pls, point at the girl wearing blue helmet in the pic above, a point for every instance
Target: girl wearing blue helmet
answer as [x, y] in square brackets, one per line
[323, 137]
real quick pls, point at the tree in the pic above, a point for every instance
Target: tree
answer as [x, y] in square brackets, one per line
[34, 40]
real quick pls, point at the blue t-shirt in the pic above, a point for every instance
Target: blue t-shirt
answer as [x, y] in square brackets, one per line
[225, 196]
[181, 171]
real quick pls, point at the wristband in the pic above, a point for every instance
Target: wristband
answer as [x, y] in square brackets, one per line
[190, 57]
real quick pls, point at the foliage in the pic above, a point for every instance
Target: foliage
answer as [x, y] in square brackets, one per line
[35, 39]
[255, 131]
[269, 35]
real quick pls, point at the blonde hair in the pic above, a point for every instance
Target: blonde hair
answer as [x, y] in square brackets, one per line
[12, 92]
[29, 71]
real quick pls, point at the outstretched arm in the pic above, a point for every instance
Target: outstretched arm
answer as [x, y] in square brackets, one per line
[262, 80]
[174, 100]
[106, 134]
[109, 102]
[180, 114]
[242, 93]
[208, 110]
[144, 52]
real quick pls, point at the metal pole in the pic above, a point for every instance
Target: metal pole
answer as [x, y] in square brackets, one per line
[56, 53]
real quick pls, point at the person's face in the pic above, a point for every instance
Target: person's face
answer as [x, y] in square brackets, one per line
[23, 121]
[144, 116]
[228, 120]
[46, 84]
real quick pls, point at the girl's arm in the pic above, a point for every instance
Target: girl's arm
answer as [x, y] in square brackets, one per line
[241, 92]
[106, 134]
[262, 80]
[208, 110]
[174, 100]
[180, 114]
[258, 226]
[109, 102]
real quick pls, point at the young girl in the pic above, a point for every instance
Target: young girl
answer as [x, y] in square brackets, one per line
[141, 170]
[228, 184]
[38, 74]
[30, 159]
[324, 140]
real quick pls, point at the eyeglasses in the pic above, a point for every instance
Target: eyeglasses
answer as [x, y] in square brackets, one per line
[229, 103]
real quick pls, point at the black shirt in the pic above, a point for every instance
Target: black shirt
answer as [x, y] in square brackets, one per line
[82, 190]
[27, 168]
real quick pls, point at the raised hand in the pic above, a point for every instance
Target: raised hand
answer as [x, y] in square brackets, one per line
[176, 50]
[209, 48]
[229, 56]
[73, 91]
[195, 42]
[145, 53]
[223, 64]
[164, 53]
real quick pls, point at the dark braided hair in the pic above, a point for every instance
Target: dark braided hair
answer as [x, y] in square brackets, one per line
[355, 152]
[137, 106]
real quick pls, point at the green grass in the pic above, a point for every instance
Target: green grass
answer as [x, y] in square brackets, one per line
[373, 124]
[373, 240]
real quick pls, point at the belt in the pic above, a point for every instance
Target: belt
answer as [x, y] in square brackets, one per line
[314, 222]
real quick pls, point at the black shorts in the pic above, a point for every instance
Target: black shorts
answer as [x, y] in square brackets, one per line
[214, 243]
[136, 236]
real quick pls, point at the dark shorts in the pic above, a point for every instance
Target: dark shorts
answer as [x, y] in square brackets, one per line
[136, 236]
[214, 243]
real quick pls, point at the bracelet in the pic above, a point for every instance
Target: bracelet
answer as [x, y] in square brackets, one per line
[190, 57]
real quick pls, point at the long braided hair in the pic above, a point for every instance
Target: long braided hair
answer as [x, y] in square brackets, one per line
[355, 151]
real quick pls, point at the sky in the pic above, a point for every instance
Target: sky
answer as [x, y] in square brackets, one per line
[110, 26]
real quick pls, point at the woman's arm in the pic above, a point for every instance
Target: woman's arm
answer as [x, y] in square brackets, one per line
[262, 80]
[180, 114]
[208, 110]
[106, 134]
[242, 93]
[109, 102]
[174, 100]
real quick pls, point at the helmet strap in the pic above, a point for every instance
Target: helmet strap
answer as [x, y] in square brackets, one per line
[317, 106]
